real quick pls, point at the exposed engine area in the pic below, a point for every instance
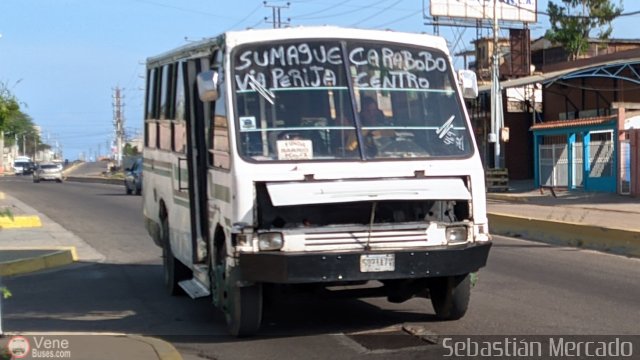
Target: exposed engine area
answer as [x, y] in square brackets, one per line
[384, 212]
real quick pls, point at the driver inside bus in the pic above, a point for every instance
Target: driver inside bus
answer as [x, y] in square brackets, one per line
[370, 116]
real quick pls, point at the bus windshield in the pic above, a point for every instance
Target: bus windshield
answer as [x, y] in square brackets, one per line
[351, 99]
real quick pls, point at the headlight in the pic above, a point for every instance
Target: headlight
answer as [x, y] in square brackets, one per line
[270, 241]
[457, 234]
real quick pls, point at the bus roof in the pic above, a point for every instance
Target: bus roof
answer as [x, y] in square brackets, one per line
[234, 38]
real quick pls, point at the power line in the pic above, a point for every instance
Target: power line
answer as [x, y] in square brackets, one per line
[377, 13]
[398, 19]
[356, 10]
[245, 18]
[182, 9]
[330, 7]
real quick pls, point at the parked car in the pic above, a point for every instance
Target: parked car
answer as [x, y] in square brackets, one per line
[133, 178]
[45, 172]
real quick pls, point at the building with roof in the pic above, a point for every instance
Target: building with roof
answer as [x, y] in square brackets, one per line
[567, 126]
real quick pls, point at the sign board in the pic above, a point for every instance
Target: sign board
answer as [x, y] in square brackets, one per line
[510, 10]
[294, 149]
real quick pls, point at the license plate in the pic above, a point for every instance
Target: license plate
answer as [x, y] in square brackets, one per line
[377, 262]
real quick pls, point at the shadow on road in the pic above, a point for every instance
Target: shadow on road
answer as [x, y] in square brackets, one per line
[132, 299]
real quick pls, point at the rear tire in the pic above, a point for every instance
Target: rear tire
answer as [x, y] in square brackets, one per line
[128, 190]
[450, 296]
[174, 270]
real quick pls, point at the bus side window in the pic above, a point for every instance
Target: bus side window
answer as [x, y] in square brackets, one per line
[219, 146]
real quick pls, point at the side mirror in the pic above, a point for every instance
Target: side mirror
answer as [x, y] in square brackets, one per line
[468, 83]
[208, 85]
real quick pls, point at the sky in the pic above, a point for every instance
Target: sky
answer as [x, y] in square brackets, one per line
[63, 59]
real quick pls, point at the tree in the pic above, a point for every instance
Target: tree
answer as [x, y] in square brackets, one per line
[20, 127]
[15, 124]
[130, 150]
[9, 105]
[573, 20]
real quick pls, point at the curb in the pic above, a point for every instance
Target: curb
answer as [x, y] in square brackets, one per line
[60, 256]
[509, 198]
[616, 241]
[95, 180]
[18, 222]
[163, 349]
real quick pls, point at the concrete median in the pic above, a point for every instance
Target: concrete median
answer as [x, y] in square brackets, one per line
[95, 179]
[617, 241]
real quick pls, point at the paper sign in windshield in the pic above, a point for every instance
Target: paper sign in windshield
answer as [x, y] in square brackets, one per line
[295, 149]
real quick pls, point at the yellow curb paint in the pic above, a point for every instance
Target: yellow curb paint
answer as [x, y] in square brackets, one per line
[27, 221]
[618, 241]
[55, 259]
[2, 197]
[510, 198]
[163, 349]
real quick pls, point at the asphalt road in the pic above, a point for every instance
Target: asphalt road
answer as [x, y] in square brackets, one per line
[527, 288]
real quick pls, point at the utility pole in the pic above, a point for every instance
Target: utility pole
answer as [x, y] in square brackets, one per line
[276, 18]
[118, 123]
[496, 94]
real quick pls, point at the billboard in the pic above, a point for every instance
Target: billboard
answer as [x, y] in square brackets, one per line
[510, 10]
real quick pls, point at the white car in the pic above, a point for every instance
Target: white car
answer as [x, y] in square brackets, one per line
[47, 172]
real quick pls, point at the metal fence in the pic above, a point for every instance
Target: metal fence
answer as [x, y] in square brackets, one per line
[578, 165]
[625, 168]
[554, 165]
[601, 159]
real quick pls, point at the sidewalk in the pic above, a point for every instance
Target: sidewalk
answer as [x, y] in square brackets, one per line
[42, 244]
[598, 221]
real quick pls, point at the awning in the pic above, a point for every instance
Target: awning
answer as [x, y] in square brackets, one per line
[607, 69]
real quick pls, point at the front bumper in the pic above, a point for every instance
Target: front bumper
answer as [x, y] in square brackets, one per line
[49, 177]
[299, 268]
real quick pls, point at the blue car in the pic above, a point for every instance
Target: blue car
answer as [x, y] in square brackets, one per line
[133, 178]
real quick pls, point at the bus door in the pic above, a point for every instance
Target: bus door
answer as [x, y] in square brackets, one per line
[197, 159]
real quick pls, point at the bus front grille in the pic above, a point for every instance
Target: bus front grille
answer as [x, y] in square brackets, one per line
[360, 239]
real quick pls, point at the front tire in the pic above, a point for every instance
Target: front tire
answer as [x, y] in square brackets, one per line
[450, 296]
[244, 310]
[242, 305]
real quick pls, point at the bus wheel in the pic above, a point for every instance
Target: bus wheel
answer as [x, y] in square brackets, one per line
[174, 270]
[450, 296]
[243, 307]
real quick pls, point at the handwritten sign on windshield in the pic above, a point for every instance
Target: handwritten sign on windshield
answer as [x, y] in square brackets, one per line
[321, 64]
